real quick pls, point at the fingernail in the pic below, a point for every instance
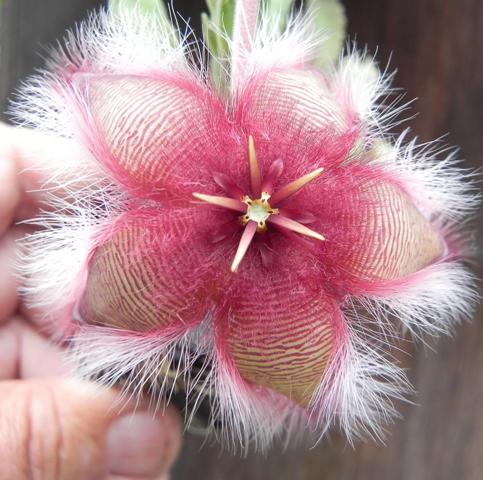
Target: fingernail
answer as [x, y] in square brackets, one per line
[136, 446]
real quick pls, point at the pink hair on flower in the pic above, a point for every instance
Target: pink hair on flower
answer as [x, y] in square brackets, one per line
[278, 236]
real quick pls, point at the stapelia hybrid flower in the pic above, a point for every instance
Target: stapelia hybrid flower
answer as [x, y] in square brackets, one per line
[256, 247]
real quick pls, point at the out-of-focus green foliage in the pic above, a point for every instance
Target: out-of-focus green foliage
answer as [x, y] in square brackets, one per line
[147, 7]
[280, 9]
[329, 16]
[217, 27]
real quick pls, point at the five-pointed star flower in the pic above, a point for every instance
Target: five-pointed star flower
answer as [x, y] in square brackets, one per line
[269, 231]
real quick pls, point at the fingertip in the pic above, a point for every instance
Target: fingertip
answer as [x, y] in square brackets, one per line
[26, 156]
[175, 428]
[8, 282]
[143, 445]
[9, 191]
[34, 346]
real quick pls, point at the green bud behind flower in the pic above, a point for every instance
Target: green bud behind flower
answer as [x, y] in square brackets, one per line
[148, 7]
[329, 17]
[217, 27]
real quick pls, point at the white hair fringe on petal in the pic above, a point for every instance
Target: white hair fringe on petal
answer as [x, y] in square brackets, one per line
[79, 199]
[269, 47]
[357, 390]
[443, 296]
[126, 41]
[361, 383]
[250, 417]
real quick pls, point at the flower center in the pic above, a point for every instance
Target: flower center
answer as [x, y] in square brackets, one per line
[259, 211]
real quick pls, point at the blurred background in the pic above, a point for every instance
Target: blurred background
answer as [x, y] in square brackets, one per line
[437, 47]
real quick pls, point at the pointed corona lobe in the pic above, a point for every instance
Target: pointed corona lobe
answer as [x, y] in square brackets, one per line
[224, 202]
[259, 211]
[246, 239]
[295, 186]
[255, 175]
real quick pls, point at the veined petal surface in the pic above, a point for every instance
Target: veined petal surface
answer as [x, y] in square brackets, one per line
[157, 136]
[278, 325]
[153, 269]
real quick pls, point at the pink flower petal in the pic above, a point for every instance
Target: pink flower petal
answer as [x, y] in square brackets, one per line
[296, 114]
[154, 269]
[279, 331]
[155, 135]
[396, 240]
[374, 232]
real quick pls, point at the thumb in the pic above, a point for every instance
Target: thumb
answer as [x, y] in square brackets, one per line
[66, 429]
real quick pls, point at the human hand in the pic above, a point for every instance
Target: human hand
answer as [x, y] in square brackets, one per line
[53, 427]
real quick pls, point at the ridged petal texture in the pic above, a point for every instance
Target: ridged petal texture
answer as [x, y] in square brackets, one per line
[280, 335]
[395, 240]
[163, 268]
[373, 229]
[153, 270]
[297, 109]
[375, 234]
[162, 170]
[149, 132]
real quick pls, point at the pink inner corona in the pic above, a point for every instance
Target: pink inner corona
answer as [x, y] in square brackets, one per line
[257, 206]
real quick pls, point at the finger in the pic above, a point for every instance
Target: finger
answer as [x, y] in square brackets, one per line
[18, 150]
[8, 282]
[21, 347]
[136, 449]
[30, 157]
[24, 353]
[70, 430]
[25, 148]
[10, 188]
[8, 264]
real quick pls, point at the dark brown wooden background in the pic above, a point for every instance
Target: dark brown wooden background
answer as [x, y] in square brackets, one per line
[437, 46]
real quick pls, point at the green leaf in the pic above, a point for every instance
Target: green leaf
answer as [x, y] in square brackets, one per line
[215, 46]
[217, 27]
[329, 16]
[221, 16]
[280, 9]
[147, 7]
